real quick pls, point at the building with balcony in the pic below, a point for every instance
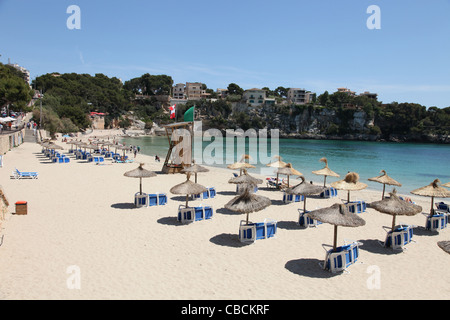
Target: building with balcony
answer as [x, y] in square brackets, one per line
[299, 96]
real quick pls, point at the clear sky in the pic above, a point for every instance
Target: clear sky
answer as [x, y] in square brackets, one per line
[317, 45]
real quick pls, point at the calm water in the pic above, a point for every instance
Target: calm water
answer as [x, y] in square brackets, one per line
[413, 165]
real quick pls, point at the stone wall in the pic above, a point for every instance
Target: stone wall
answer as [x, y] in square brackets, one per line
[9, 141]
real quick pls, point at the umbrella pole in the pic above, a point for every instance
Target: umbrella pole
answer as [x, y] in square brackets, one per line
[247, 219]
[393, 222]
[335, 238]
[304, 204]
[277, 181]
[325, 181]
[140, 185]
[348, 196]
[187, 199]
[384, 187]
[196, 177]
[432, 203]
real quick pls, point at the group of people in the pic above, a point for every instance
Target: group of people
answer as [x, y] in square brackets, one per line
[135, 149]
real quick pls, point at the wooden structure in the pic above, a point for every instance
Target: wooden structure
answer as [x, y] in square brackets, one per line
[180, 135]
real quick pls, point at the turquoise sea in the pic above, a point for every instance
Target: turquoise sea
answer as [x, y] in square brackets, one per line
[414, 165]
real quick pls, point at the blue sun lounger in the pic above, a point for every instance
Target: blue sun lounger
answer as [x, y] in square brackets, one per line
[157, 199]
[357, 206]
[343, 257]
[257, 231]
[21, 175]
[399, 237]
[438, 221]
[288, 198]
[305, 221]
[441, 206]
[329, 193]
[191, 214]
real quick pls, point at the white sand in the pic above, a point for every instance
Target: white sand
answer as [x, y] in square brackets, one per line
[81, 214]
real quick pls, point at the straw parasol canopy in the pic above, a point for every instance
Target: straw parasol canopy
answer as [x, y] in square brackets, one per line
[239, 166]
[246, 180]
[248, 202]
[304, 189]
[337, 215]
[395, 206]
[432, 190]
[277, 164]
[140, 173]
[325, 171]
[195, 168]
[385, 179]
[288, 170]
[350, 183]
[447, 185]
[444, 245]
[187, 188]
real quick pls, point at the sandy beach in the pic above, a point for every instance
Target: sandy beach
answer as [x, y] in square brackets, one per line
[81, 220]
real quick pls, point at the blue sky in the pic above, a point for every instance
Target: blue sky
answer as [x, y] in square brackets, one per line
[317, 45]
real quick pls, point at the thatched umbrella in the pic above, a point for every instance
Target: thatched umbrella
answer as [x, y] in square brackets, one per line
[248, 202]
[140, 173]
[447, 185]
[432, 190]
[395, 206]
[444, 245]
[385, 179]
[195, 168]
[325, 171]
[337, 215]
[350, 183]
[288, 170]
[187, 188]
[245, 180]
[277, 164]
[239, 166]
[304, 189]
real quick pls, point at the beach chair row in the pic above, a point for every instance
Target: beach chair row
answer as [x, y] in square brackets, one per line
[342, 257]
[329, 193]
[399, 237]
[257, 231]
[197, 213]
[149, 200]
[209, 193]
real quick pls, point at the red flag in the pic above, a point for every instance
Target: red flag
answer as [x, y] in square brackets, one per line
[172, 111]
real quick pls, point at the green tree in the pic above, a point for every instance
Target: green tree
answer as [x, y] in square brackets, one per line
[234, 89]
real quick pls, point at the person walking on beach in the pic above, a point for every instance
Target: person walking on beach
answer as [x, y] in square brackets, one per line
[135, 151]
